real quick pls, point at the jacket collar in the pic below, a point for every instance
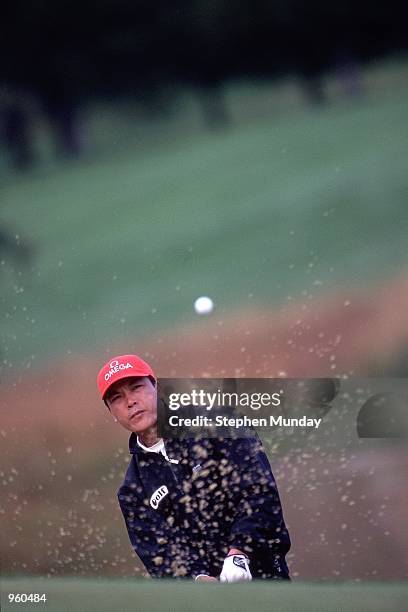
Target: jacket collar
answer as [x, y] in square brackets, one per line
[172, 447]
[133, 445]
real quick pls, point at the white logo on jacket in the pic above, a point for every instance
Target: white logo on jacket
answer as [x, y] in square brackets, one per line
[158, 496]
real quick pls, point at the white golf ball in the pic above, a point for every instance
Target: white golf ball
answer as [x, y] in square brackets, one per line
[203, 305]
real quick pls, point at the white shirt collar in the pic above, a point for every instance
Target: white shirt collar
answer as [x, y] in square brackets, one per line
[156, 448]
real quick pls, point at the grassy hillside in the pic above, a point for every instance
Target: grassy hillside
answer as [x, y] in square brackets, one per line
[259, 212]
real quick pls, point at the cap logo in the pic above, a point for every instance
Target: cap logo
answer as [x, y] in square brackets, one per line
[115, 366]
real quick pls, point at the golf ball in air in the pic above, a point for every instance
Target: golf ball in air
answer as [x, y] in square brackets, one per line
[203, 305]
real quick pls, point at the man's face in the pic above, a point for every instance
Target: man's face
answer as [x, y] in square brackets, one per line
[133, 402]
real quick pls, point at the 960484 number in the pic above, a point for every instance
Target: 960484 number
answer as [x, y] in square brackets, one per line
[27, 598]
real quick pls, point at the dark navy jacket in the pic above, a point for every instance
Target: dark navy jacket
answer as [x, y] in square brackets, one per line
[183, 516]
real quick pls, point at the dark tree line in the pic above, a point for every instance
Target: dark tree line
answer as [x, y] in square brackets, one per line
[97, 46]
[66, 52]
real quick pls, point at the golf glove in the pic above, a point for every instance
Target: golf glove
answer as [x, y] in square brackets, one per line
[235, 569]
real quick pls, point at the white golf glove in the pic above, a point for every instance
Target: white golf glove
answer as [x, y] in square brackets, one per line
[235, 569]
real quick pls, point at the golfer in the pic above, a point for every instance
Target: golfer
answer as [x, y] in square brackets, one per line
[205, 509]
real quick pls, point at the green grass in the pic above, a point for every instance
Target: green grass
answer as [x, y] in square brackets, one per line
[65, 595]
[304, 201]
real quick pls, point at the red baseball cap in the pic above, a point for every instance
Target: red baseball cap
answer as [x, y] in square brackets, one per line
[120, 367]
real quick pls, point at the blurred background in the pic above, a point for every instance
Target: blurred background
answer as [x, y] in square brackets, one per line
[254, 152]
